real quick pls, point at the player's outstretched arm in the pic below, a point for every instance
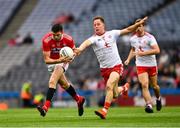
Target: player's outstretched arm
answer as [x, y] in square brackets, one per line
[130, 56]
[82, 47]
[133, 27]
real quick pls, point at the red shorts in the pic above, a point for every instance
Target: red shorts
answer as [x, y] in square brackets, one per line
[105, 72]
[152, 71]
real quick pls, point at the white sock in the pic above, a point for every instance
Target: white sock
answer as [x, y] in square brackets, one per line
[105, 110]
[149, 105]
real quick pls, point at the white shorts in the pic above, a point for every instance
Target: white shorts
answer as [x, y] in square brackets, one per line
[52, 66]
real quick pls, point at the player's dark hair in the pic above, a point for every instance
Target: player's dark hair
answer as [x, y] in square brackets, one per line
[100, 18]
[56, 28]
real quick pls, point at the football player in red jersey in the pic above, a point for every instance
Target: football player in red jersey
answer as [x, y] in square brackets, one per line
[52, 42]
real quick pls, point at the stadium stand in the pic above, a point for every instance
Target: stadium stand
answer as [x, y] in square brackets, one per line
[7, 8]
[40, 20]
[43, 20]
[165, 23]
[123, 13]
[10, 57]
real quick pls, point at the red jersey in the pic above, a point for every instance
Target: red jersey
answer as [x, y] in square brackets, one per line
[49, 44]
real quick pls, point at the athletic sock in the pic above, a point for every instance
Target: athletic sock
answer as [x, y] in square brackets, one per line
[47, 104]
[106, 106]
[124, 88]
[149, 103]
[73, 93]
[50, 95]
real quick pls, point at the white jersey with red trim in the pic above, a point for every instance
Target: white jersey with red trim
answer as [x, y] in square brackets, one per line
[144, 43]
[105, 48]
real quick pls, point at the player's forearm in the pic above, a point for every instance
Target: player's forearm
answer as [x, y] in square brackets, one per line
[131, 55]
[133, 27]
[152, 52]
[53, 61]
[84, 45]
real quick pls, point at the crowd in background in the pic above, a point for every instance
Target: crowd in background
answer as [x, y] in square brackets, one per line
[18, 40]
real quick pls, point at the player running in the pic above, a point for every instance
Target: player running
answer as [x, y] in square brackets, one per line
[144, 47]
[104, 44]
[52, 42]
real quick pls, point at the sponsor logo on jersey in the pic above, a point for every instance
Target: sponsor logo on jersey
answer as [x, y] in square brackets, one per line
[55, 50]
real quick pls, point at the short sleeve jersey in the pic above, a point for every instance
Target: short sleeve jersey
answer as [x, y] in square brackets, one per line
[49, 44]
[105, 48]
[144, 43]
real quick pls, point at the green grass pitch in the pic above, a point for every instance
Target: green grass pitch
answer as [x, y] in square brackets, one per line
[68, 117]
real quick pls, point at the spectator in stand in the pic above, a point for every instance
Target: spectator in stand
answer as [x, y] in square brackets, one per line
[164, 58]
[26, 94]
[133, 80]
[101, 85]
[38, 99]
[177, 69]
[64, 19]
[91, 84]
[28, 39]
[167, 76]
[81, 82]
[11, 42]
[18, 39]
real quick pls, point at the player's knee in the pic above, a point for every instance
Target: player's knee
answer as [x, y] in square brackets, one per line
[109, 88]
[112, 82]
[59, 68]
[156, 87]
[65, 86]
[144, 84]
[115, 95]
[52, 83]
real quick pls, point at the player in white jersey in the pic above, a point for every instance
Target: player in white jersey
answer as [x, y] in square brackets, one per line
[105, 48]
[144, 47]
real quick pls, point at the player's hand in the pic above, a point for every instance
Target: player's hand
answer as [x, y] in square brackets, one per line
[139, 53]
[143, 20]
[72, 59]
[126, 62]
[77, 51]
[66, 59]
